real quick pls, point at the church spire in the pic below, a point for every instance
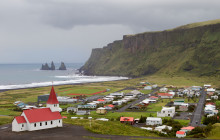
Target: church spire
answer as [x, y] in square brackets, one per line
[52, 98]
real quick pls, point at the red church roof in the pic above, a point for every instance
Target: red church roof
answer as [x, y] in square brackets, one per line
[41, 114]
[126, 119]
[20, 119]
[52, 98]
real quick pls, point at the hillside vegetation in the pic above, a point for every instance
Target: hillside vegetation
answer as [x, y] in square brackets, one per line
[192, 50]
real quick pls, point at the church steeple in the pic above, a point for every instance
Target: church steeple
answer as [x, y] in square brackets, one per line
[52, 101]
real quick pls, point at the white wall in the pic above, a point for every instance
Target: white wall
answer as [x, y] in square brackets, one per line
[18, 127]
[55, 123]
[153, 122]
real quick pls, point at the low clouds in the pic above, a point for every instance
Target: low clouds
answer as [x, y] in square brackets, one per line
[69, 29]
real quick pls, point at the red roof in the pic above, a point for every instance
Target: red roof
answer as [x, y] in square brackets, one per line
[210, 103]
[101, 100]
[126, 119]
[164, 94]
[153, 97]
[111, 105]
[180, 132]
[52, 98]
[41, 114]
[188, 128]
[20, 119]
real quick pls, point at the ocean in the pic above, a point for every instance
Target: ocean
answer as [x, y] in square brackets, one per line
[15, 76]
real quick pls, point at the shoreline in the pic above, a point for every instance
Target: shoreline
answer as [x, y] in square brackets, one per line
[4, 90]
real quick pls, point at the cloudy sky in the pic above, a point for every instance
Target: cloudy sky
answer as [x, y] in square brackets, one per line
[66, 30]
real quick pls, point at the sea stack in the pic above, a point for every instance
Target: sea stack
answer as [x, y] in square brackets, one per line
[45, 67]
[62, 66]
[52, 66]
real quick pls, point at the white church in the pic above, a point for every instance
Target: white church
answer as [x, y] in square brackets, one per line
[40, 118]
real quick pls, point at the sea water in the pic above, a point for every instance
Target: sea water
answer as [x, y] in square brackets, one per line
[14, 76]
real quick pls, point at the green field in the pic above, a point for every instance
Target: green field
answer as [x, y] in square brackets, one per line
[214, 134]
[110, 127]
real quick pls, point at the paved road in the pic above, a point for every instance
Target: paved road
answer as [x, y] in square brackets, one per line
[197, 115]
[67, 132]
[136, 101]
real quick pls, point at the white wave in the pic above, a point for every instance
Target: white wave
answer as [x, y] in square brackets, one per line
[81, 79]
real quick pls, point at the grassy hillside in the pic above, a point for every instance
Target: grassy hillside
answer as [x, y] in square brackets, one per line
[214, 134]
[193, 49]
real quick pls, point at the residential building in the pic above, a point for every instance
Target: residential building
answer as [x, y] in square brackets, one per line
[165, 95]
[120, 94]
[160, 128]
[153, 121]
[178, 102]
[147, 88]
[187, 129]
[163, 89]
[129, 120]
[153, 98]
[87, 106]
[101, 110]
[73, 109]
[180, 134]
[83, 112]
[166, 112]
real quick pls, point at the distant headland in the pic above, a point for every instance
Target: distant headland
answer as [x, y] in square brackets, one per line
[52, 67]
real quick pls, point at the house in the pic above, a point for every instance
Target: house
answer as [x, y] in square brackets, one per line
[109, 107]
[147, 101]
[136, 92]
[163, 89]
[117, 94]
[101, 110]
[117, 102]
[178, 102]
[66, 100]
[160, 128]
[165, 95]
[166, 112]
[180, 134]
[82, 112]
[210, 90]
[73, 109]
[187, 129]
[154, 86]
[129, 120]
[153, 98]
[207, 86]
[153, 121]
[214, 97]
[147, 88]
[195, 88]
[40, 118]
[87, 106]
[171, 92]
[184, 107]
[101, 101]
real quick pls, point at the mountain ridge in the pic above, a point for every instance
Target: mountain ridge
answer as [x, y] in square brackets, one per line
[185, 49]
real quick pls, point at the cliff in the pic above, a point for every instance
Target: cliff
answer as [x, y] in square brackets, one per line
[62, 66]
[193, 48]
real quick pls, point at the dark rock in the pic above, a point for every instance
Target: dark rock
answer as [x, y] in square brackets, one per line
[52, 66]
[62, 66]
[45, 67]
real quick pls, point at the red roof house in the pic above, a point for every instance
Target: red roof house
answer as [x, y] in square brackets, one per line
[127, 119]
[180, 134]
[153, 97]
[188, 128]
[165, 95]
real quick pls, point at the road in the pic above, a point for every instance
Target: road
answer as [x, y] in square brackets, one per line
[137, 101]
[197, 115]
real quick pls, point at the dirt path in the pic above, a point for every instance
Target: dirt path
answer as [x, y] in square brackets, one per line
[70, 132]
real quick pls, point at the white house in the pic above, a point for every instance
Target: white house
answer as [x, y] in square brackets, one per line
[214, 97]
[153, 121]
[210, 90]
[165, 95]
[207, 86]
[180, 134]
[117, 94]
[166, 112]
[160, 128]
[40, 118]
[148, 88]
[136, 92]
[154, 86]
[163, 89]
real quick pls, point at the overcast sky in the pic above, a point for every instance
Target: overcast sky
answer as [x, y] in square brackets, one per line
[66, 30]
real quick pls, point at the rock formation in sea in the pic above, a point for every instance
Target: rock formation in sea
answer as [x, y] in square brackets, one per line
[62, 66]
[45, 67]
[52, 66]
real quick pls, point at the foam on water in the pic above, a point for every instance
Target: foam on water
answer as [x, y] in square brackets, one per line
[72, 79]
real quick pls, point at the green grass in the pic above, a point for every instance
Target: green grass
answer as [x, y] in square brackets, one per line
[5, 120]
[183, 122]
[146, 91]
[214, 134]
[110, 127]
